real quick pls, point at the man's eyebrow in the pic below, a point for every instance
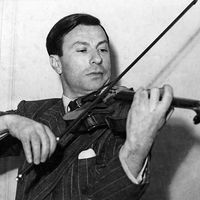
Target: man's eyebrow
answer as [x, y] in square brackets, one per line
[80, 42]
[87, 43]
[102, 42]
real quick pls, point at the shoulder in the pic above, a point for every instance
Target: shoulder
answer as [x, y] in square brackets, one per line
[38, 102]
[29, 108]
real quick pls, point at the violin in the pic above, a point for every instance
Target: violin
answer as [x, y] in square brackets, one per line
[90, 110]
[109, 114]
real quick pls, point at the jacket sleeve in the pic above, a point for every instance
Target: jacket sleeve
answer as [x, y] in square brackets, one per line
[30, 109]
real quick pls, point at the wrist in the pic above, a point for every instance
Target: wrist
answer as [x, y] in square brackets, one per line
[6, 121]
[4, 128]
[134, 148]
[131, 159]
[128, 151]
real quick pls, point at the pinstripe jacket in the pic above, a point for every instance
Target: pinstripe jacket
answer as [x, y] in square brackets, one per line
[65, 177]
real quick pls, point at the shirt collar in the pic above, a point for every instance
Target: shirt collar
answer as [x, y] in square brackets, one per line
[66, 100]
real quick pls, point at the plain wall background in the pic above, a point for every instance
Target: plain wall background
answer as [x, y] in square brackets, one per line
[25, 73]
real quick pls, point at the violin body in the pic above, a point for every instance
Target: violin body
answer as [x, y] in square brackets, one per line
[111, 112]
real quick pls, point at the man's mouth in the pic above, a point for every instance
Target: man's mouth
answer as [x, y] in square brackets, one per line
[95, 74]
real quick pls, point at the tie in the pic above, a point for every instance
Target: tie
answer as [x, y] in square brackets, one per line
[73, 105]
[77, 103]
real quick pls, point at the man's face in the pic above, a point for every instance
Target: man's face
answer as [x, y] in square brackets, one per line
[85, 61]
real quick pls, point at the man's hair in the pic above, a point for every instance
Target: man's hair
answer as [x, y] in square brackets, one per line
[55, 37]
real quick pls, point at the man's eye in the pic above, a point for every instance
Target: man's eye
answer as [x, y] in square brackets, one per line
[81, 50]
[103, 50]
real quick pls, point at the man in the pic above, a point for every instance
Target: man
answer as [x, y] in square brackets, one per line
[95, 165]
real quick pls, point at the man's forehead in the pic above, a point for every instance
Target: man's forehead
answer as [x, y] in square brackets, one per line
[86, 33]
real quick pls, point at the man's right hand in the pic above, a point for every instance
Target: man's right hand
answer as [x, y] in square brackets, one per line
[37, 139]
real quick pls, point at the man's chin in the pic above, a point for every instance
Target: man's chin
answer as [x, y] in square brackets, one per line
[93, 85]
[93, 88]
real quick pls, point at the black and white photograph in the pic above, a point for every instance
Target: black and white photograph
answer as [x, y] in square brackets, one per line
[99, 100]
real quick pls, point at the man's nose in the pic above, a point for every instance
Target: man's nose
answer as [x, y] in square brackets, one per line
[96, 58]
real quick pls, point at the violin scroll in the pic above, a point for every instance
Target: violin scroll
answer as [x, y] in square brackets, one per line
[196, 119]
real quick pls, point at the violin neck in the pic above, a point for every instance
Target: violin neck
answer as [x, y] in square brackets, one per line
[176, 102]
[186, 103]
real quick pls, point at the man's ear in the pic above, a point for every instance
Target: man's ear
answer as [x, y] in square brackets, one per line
[55, 63]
